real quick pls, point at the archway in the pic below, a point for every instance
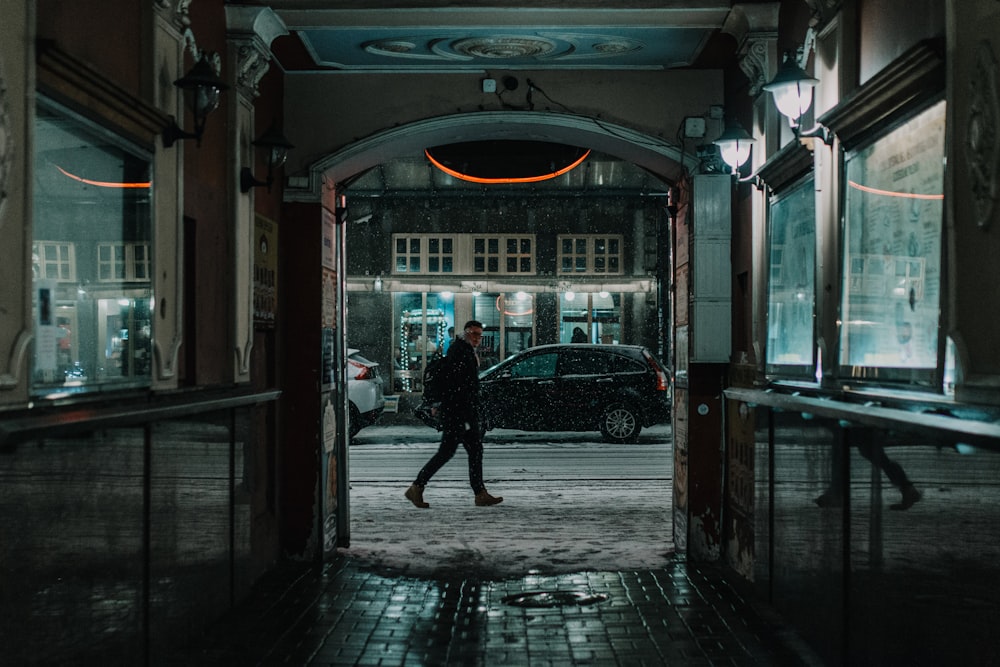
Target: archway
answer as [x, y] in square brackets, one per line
[653, 154]
[658, 156]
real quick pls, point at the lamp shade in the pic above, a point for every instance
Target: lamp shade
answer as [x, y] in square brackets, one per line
[203, 86]
[276, 143]
[735, 144]
[792, 89]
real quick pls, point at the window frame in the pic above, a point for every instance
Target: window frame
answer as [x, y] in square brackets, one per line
[782, 194]
[424, 254]
[90, 376]
[129, 261]
[503, 254]
[38, 251]
[902, 376]
[590, 254]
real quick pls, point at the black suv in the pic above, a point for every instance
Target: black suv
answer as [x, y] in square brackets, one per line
[614, 389]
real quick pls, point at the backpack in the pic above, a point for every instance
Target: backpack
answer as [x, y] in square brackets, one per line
[434, 379]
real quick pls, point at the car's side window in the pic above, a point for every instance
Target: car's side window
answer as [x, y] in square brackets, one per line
[621, 364]
[584, 362]
[535, 366]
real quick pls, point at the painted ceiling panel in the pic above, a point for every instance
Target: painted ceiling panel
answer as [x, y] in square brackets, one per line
[409, 49]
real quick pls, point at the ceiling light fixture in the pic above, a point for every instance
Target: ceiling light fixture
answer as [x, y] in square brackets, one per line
[493, 162]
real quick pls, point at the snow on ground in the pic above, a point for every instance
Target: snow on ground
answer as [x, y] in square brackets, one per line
[540, 528]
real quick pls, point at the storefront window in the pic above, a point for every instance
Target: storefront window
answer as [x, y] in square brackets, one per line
[590, 317]
[92, 295]
[518, 321]
[791, 294]
[423, 320]
[892, 253]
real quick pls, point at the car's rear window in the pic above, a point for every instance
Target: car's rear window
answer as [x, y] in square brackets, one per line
[620, 364]
[595, 362]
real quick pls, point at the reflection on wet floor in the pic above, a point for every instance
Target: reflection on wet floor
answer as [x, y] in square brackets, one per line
[346, 615]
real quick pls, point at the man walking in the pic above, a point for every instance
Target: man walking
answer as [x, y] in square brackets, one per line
[459, 417]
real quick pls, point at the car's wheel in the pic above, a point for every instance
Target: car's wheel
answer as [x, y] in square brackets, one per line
[354, 420]
[620, 423]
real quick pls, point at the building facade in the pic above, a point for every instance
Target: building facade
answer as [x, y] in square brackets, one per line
[533, 265]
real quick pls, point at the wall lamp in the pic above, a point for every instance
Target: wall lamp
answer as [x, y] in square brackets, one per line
[202, 88]
[277, 152]
[792, 89]
[734, 145]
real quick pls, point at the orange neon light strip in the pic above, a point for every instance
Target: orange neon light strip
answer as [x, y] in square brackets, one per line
[524, 179]
[511, 313]
[103, 184]
[890, 193]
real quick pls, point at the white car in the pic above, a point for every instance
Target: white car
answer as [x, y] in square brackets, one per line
[364, 392]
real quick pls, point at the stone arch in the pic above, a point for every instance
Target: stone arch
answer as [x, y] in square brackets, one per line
[667, 161]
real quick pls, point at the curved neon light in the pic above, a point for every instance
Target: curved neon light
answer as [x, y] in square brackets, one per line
[522, 179]
[512, 313]
[890, 193]
[103, 184]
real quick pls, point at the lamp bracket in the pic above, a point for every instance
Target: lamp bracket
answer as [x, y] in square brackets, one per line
[173, 133]
[248, 180]
[753, 179]
[821, 132]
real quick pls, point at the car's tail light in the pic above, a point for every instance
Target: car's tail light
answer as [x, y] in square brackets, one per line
[363, 373]
[662, 381]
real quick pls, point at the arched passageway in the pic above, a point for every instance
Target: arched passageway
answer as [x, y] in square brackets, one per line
[660, 157]
[336, 171]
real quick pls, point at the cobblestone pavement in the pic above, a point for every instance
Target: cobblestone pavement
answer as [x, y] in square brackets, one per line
[344, 613]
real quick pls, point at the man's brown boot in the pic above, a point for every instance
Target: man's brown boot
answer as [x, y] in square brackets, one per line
[415, 494]
[483, 498]
[910, 497]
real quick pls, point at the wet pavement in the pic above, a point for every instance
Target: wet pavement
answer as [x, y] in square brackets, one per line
[345, 613]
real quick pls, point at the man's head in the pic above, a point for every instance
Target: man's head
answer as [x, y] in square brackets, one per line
[473, 331]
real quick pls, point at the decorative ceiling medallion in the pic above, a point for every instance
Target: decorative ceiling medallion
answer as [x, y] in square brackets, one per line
[617, 46]
[981, 136]
[390, 47]
[504, 47]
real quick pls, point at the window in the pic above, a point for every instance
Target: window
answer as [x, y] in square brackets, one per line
[53, 260]
[123, 261]
[535, 366]
[503, 254]
[92, 288]
[463, 254]
[894, 207]
[422, 333]
[590, 318]
[423, 254]
[584, 362]
[791, 292]
[590, 254]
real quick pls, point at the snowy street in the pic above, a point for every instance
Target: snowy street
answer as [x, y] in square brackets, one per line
[571, 503]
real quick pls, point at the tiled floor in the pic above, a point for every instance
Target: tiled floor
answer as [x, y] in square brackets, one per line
[344, 614]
